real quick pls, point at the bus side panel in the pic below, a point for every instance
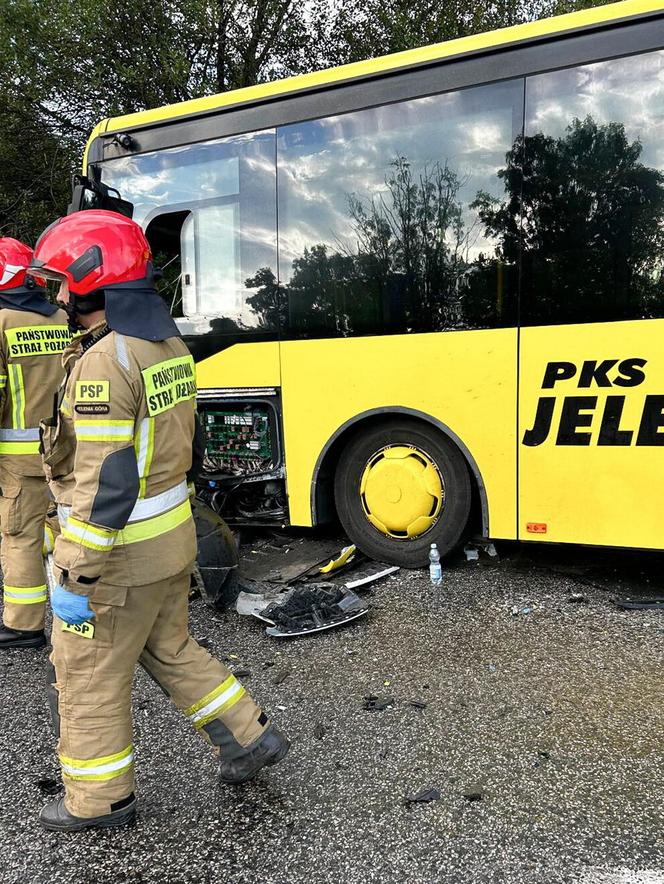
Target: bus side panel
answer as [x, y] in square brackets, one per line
[591, 461]
[465, 379]
[242, 365]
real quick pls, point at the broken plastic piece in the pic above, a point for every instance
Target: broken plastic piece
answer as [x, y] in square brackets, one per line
[252, 603]
[312, 608]
[371, 574]
[474, 792]
[373, 703]
[423, 796]
[472, 553]
[344, 557]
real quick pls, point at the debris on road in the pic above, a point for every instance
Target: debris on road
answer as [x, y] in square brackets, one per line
[477, 546]
[319, 731]
[370, 574]
[418, 704]
[516, 610]
[250, 604]
[578, 598]
[48, 786]
[643, 604]
[290, 597]
[424, 796]
[472, 553]
[312, 608]
[287, 564]
[373, 703]
[344, 557]
[281, 675]
[473, 792]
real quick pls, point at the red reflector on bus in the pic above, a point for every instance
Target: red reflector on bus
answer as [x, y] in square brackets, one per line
[536, 527]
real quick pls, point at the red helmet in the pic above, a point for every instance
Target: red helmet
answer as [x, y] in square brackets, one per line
[92, 249]
[15, 259]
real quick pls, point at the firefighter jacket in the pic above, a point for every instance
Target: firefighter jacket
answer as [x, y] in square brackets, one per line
[31, 347]
[117, 455]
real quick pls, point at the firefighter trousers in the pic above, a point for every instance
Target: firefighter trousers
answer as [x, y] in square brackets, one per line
[94, 668]
[23, 507]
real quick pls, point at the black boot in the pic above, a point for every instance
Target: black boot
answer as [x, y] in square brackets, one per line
[56, 818]
[21, 638]
[270, 748]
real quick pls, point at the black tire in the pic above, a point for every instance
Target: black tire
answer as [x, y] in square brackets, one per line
[452, 521]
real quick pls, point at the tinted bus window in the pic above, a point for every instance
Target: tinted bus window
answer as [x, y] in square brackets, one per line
[216, 202]
[380, 216]
[593, 161]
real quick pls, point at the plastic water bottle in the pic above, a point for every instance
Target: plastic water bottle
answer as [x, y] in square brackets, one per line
[435, 571]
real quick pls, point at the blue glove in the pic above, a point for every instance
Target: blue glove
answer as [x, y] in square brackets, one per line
[71, 608]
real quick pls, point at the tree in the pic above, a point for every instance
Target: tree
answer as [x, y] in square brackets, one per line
[361, 29]
[70, 63]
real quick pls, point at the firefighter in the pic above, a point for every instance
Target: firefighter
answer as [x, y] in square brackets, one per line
[117, 453]
[33, 335]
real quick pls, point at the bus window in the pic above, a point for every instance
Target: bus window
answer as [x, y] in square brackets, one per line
[593, 193]
[380, 228]
[227, 191]
[591, 372]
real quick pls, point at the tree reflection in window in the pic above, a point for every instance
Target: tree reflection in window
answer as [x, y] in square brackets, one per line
[581, 214]
[409, 270]
[590, 225]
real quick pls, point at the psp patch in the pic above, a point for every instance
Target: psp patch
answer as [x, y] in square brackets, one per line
[84, 630]
[93, 391]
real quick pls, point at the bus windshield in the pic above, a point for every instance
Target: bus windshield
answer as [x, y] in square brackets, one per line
[220, 199]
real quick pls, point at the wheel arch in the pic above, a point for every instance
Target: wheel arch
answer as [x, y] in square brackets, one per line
[321, 502]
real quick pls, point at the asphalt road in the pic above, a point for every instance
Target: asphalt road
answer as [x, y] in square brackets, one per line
[553, 719]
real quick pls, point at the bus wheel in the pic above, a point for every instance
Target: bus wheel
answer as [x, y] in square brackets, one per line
[399, 487]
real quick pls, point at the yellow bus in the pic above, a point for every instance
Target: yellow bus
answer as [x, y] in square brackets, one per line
[424, 292]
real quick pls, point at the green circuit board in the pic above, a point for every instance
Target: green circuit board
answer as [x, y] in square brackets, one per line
[237, 440]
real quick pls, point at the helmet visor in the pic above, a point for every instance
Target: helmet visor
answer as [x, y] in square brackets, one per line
[45, 273]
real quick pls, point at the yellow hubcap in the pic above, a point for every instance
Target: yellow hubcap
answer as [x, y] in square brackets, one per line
[402, 492]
